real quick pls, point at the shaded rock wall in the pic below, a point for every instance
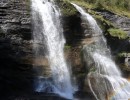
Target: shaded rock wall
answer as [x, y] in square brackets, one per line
[15, 46]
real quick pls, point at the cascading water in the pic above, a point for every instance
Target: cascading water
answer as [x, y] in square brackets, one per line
[49, 42]
[104, 78]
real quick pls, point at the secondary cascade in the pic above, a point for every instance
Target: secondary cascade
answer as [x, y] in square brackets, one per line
[104, 78]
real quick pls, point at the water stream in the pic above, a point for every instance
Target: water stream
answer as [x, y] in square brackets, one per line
[105, 79]
[49, 44]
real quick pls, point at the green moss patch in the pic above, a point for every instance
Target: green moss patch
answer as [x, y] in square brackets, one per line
[66, 8]
[118, 33]
[67, 47]
[123, 54]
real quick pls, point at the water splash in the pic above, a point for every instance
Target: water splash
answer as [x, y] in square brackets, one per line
[104, 79]
[49, 43]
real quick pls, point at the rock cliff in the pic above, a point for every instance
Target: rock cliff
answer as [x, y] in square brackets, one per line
[15, 46]
[16, 54]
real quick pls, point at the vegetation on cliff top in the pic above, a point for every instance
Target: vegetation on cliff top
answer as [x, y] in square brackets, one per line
[66, 8]
[120, 7]
[121, 4]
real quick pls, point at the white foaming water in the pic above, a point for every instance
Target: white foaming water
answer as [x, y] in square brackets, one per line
[87, 18]
[48, 33]
[106, 81]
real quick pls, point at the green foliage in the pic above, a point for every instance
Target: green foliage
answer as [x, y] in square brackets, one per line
[66, 8]
[82, 3]
[67, 47]
[120, 7]
[123, 54]
[125, 4]
[118, 33]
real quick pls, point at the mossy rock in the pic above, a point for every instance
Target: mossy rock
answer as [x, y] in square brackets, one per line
[118, 33]
[66, 8]
[123, 54]
[67, 47]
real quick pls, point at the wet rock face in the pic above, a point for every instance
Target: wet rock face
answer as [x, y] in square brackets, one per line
[15, 45]
[94, 81]
[72, 29]
[15, 17]
[116, 44]
[121, 22]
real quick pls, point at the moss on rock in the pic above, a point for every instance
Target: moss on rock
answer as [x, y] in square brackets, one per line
[118, 33]
[66, 8]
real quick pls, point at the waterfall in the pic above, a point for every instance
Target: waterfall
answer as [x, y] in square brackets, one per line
[49, 44]
[104, 78]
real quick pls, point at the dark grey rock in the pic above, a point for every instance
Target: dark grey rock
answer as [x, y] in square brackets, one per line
[121, 22]
[16, 54]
